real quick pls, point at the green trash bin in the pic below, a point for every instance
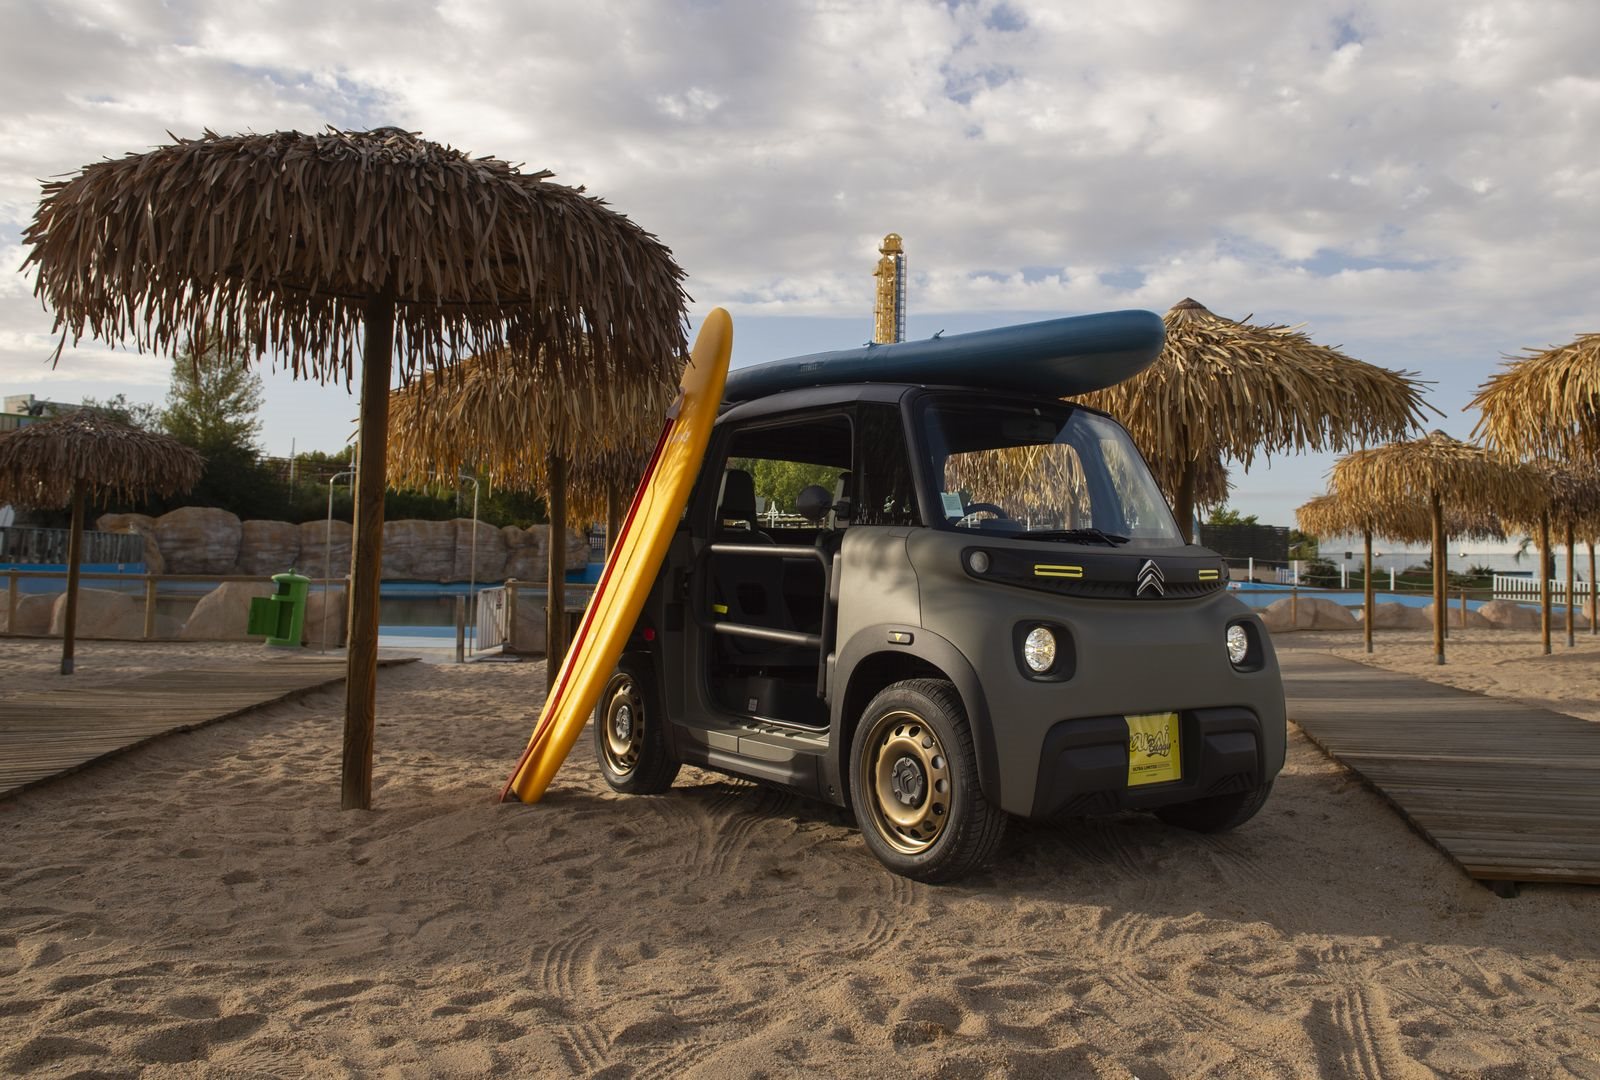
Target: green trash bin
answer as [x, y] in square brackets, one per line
[281, 617]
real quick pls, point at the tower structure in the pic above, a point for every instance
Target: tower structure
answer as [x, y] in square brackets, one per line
[889, 312]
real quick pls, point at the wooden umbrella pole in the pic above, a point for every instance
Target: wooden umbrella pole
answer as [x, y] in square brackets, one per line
[555, 608]
[1184, 510]
[1438, 579]
[1594, 595]
[69, 630]
[1572, 597]
[366, 571]
[1544, 580]
[613, 513]
[1366, 588]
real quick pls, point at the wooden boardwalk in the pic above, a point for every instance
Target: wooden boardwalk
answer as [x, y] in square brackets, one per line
[46, 733]
[1510, 792]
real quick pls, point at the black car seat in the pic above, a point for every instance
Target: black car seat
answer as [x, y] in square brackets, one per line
[748, 588]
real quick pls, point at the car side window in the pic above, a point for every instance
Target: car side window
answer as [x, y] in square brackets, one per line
[781, 480]
[885, 492]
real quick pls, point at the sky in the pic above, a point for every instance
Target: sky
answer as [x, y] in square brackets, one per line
[1416, 182]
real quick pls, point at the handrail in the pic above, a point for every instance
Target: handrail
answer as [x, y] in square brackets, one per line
[701, 600]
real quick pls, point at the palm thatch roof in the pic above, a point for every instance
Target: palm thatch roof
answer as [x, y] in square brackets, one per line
[42, 463]
[1572, 496]
[1211, 485]
[1545, 404]
[278, 241]
[1330, 514]
[1460, 474]
[485, 414]
[1234, 388]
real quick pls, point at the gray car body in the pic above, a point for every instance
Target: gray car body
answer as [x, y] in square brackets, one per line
[905, 604]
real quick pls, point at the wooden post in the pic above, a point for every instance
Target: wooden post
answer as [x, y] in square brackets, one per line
[555, 608]
[1184, 509]
[1463, 609]
[1439, 558]
[1366, 588]
[511, 614]
[1594, 594]
[69, 631]
[149, 606]
[1294, 607]
[461, 629]
[12, 597]
[361, 660]
[1572, 597]
[1544, 580]
[613, 514]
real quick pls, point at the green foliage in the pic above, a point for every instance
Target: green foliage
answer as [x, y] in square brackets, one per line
[213, 400]
[1321, 573]
[136, 414]
[780, 482]
[1227, 515]
[1302, 545]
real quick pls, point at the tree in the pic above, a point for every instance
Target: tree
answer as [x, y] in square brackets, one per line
[213, 401]
[1227, 515]
[136, 414]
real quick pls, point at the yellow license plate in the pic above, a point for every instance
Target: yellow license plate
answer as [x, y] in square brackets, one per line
[1153, 748]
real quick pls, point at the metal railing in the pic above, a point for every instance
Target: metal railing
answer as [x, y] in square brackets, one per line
[492, 620]
[26, 544]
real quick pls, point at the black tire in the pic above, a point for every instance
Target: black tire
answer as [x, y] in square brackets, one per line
[914, 784]
[1218, 813]
[630, 740]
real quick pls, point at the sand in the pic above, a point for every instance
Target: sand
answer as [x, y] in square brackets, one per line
[200, 907]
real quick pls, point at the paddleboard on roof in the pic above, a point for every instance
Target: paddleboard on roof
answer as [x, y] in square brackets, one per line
[1059, 357]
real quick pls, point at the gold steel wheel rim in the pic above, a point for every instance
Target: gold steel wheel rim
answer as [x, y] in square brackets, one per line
[623, 728]
[908, 777]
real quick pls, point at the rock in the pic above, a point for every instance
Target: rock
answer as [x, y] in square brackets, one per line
[320, 542]
[491, 552]
[33, 614]
[145, 526]
[1509, 615]
[527, 557]
[102, 613]
[1314, 613]
[1394, 616]
[334, 598]
[199, 540]
[1452, 614]
[224, 613]
[268, 547]
[419, 550]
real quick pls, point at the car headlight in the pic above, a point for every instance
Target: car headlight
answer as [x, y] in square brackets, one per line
[1039, 649]
[1238, 644]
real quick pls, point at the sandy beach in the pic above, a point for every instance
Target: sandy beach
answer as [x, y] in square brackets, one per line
[201, 907]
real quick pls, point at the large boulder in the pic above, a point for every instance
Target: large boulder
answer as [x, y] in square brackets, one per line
[527, 557]
[334, 601]
[199, 540]
[268, 547]
[419, 550]
[322, 544]
[143, 525]
[223, 614]
[102, 613]
[1509, 615]
[1393, 616]
[491, 555]
[33, 614]
[1452, 617]
[1307, 613]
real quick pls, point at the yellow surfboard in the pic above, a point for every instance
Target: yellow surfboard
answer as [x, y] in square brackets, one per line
[635, 560]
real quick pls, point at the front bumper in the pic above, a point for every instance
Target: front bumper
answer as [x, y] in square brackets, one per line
[1083, 763]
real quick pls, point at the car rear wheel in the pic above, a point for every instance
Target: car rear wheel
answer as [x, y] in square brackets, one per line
[914, 784]
[629, 740]
[1217, 814]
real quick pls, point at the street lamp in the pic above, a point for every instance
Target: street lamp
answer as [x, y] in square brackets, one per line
[472, 569]
[327, 547]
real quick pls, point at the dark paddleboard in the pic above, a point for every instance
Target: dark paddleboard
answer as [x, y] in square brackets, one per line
[1058, 357]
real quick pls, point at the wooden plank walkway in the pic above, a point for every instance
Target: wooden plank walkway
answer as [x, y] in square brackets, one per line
[47, 733]
[1508, 791]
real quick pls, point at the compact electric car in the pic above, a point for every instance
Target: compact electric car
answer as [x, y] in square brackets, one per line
[942, 606]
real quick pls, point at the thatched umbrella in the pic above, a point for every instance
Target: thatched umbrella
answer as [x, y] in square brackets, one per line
[1545, 404]
[579, 443]
[1226, 389]
[87, 455]
[1572, 504]
[1435, 471]
[315, 246]
[1330, 514]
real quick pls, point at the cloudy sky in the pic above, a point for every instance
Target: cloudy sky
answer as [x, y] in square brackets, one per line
[1416, 181]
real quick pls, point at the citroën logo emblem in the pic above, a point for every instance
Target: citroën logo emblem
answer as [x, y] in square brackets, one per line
[1151, 579]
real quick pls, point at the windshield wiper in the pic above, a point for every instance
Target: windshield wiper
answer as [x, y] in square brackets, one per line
[1092, 536]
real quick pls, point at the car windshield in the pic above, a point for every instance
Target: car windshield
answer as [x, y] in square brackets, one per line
[1044, 472]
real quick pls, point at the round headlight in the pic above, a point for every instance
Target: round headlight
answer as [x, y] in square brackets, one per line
[1039, 649]
[1238, 644]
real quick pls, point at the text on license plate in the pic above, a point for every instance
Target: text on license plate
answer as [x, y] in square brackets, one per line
[1153, 756]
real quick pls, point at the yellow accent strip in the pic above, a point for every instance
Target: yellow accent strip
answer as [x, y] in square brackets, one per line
[1045, 570]
[720, 609]
[1210, 575]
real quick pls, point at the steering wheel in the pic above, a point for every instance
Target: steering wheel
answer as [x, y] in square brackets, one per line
[980, 507]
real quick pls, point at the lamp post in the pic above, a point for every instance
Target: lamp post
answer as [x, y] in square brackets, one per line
[327, 548]
[472, 570]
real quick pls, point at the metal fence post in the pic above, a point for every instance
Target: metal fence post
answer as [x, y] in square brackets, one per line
[149, 606]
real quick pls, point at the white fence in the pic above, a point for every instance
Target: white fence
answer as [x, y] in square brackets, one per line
[1523, 588]
[491, 621]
